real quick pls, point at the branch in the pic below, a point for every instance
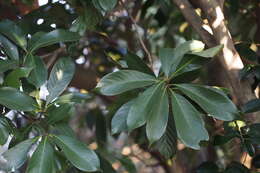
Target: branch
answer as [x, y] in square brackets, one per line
[195, 21]
[139, 36]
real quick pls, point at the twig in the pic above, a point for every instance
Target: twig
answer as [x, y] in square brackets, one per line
[55, 56]
[139, 36]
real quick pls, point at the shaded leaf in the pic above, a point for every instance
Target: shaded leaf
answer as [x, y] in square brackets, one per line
[78, 153]
[60, 77]
[107, 5]
[207, 167]
[236, 167]
[128, 164]
[251, 106]
[7, 65]
[13, 78]
[15, 157]
[188, 121]
[16, 100]
[73, 97]
[39, 74]
[53, 37]
[9, 48]
[13, 32]
[119, 120]
[56, 114]
[124, 80]
[210, 100]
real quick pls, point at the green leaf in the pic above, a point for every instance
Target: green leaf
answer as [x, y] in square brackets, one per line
[7, 65]
[253, 133]
[157, 116]
[209, 53]
[13, 32]
[74, 97]
[42, 159]
[4, 130]
[39, 74]
[107, 5]
[56, 114]
[210, 100]
[53, 37]
[15, 157]
[16, 100]
[124, 80]
[128, 164]
[78, 153]
[60, 77]
[188, 121]
[251, 106]
[142, 106]
[136, 63]
[13, 78]
[167, 144]
[9, 48]
[62, 128]
[119, 120]
[170, 58]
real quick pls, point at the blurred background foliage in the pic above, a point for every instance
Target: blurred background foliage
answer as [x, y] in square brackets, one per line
[110, 33]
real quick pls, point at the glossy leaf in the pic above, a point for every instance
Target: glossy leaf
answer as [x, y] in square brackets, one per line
[60, 77]
[56, 114]
[142, 106]
[157, 116]
[15, 157]
[124, 80]
[42, 158]
[16, 100]
[188, 121]
[7, 65]
[251, 106]
[107, 5]
[78, 153]
[170, 58]
[4, 131]
[119, 120]
[210, 100]
[62, 128]
[39, 74]
[13, 32]
[9, 48]
[73, 97]
[13, 78]
[136, 63]
[53, 37]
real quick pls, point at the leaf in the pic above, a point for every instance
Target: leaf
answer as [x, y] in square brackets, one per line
[73, 97]
[157, 116]
[78, 153]
[136, 63]
[253, 133]
[236, 167]
[106, 165]
[42, 159]
[15, 157]
[119, 120]
[62, 128]
[251, 106]
[13, 78]
[13, 32]
[9, 48]
[39, 74]
[167, 144]
[16, 100]
[188, 121]
[60, 77]
[53, 37]
[7, 65]
[4, 130]
[209, 53]
[142, 106]
[170, 58]
[56, 114]
[107, 5]
[210, 100]
[128, 164]
[124, 80]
